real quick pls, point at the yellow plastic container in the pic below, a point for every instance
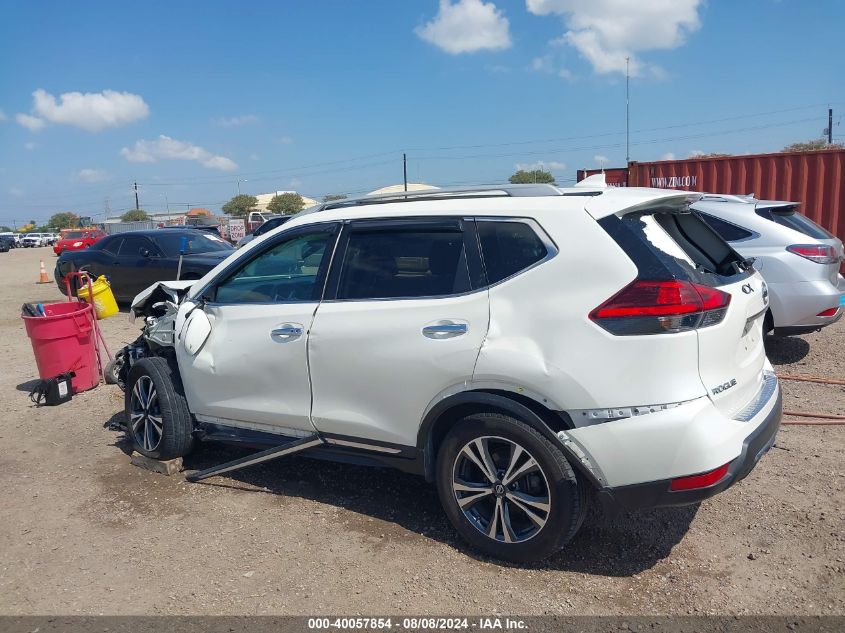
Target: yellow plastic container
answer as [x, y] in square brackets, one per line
[104, 303]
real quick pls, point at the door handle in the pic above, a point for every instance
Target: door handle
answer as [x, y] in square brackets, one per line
[445, 329]
[287, 331]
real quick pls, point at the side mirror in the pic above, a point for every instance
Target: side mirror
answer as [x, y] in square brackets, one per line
[183, 245]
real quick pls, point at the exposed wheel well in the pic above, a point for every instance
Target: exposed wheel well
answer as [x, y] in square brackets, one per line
[442, 417]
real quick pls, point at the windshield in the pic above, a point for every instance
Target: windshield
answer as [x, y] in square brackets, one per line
[171, 241]
[74, 234]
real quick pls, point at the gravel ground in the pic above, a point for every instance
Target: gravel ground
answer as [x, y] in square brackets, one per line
[84, 532]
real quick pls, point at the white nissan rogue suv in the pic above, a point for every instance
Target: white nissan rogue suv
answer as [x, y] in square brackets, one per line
[526, 348]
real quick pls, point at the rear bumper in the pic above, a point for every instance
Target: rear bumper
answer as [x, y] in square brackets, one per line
[795, 305]
[658, 494]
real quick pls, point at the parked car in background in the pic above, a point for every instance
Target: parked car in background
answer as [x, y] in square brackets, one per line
[270, 224]
[7, 243]
[33, 240]
[77, 239]
[517, 345]
[14, 237]
[798, 259]
[135, 259]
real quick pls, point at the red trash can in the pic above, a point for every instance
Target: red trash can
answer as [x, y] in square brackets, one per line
[64, 340]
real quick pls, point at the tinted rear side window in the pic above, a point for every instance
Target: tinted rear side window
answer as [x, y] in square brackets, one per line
[508, 247]
[133, 246]
[789, 217]
[108, 244]
[404, 263]
[729, 232]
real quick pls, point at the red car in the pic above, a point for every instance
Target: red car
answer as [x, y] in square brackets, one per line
[77, 240]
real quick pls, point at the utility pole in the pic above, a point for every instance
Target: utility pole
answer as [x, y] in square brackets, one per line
[830, 126]
[405, 170]
[627, 110]
[137, 206]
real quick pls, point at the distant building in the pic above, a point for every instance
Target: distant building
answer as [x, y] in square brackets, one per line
[412, 186]
[265, 198]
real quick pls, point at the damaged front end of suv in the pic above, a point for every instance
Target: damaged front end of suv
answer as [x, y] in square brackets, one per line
[158, 306]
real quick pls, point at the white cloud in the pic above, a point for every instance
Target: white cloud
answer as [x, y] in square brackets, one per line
[547, 64]
[91, 175]
[30, 146]
[254, 157]
[601, 160]
[695, 152]
[236, 121]
[552, 165]
[16, 191]
[294, 183]
[542, 64]
[164, 148]
[91, 111]
[668, 156]
[31, 123]
[605, 32]
[286, 140]
[2, 115]
[466, 26]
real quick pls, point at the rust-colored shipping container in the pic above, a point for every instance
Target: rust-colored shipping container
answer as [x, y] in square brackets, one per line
[613, 176]
[815, 179]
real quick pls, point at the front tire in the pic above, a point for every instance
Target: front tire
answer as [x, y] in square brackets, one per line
[508, 490]
[157, 418]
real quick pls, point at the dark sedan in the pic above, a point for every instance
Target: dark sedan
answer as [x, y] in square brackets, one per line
[136, 259]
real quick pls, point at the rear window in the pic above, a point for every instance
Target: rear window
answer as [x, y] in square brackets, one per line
[729, 232]
[74, 234]
[789, 217]
[672, 245]
[171, 243]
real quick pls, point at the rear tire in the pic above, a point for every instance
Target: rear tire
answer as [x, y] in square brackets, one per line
[508, 490]
[157, 418]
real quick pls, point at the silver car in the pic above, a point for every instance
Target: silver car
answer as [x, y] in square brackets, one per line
[798, 259]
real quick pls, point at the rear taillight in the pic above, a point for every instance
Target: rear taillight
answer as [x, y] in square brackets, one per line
[704, 480]
[819, 253]
[657, 307]
[828, 313]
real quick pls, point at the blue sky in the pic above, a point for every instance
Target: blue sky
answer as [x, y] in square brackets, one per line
[323, 97]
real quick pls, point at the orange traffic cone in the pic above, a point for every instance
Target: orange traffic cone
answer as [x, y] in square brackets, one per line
[43, 278]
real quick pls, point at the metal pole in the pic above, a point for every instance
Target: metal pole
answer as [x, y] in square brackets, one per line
[405, 170]
[239, 186]
[627, 110]
[830, 126]
[136, 197]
